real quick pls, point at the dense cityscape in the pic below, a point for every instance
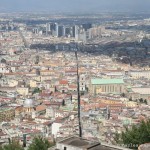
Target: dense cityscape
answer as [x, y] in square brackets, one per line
[63, 73]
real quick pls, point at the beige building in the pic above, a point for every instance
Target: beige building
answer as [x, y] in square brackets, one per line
[140, 74]
[23, 91]
[13, 83]
[37, 78]
[33, 83]
[46, 72]
[115, 86]
[140, 92]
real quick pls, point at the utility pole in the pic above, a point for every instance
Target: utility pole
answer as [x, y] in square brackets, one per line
[78, 90]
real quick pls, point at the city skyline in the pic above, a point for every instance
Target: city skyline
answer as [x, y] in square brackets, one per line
[74, 6]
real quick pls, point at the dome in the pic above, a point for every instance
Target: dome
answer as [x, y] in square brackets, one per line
[28, 103]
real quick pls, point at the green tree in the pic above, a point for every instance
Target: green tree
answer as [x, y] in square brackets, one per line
[123, 95]
[40, 143]
[13, 145]
[56, 89]
[145, 101]
[135, 136]
[63, 102]
[1, 148]
[36, 90]
[141, 100]
[130, 99]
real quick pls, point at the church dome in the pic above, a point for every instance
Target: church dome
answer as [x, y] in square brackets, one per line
[28, 103]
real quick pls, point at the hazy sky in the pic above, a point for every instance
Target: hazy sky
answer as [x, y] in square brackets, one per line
[75, 5]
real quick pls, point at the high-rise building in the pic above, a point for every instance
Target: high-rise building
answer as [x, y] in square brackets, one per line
[52, 26]
[76, 32]
[82, 36]
[60, 31]
[67, 31]
[35, 30]
[56, 29]
[73, 31]
[48, 28]
[89, 34]
[52, 29]
[64, 30]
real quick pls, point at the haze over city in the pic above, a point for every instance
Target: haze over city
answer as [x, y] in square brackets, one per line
[74, 5]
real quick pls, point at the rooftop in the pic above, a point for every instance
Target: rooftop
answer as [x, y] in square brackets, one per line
[107, 81]
[80, 143]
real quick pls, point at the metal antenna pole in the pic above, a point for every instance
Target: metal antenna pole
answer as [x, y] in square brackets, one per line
[78, 89]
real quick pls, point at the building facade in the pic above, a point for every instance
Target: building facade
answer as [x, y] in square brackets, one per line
[115, 86]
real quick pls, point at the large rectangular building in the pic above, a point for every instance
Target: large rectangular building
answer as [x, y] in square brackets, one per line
[115, 86]
[139, 74]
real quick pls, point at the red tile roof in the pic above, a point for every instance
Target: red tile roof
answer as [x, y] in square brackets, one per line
[40, 108]
[63, 82]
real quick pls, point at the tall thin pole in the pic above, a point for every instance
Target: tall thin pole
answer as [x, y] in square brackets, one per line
[78, 89]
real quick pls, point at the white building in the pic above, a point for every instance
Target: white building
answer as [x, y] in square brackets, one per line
[56, 128]
[140, 74]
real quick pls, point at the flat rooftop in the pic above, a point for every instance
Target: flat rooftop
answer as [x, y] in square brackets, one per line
[87, 144]
[106, 81]
[79, 142]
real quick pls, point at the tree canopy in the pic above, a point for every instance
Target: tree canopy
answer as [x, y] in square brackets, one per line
[137, 135]
[13, 145]
[40, 143]
[36, 90]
